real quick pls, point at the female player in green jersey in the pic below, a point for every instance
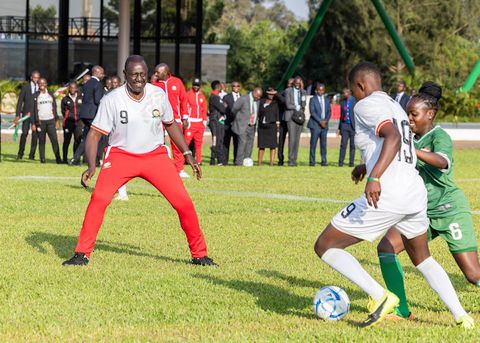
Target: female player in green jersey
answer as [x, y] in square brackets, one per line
[448, 210]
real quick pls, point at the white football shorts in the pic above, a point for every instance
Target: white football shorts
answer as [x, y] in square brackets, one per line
[365, 222]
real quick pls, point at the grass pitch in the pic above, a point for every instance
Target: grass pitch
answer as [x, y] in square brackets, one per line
[260, 225]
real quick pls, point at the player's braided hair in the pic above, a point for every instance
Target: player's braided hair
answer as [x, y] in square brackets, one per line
[429, 94]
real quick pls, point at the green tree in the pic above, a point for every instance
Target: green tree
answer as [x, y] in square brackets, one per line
[43, 19]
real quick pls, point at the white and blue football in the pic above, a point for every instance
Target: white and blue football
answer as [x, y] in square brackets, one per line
[331, 303]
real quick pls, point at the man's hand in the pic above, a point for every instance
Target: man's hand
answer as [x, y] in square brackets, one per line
[34, 128]
[87, 176]
[57, 124]
[372, 192]
[15, 121]
[185, 124]
[197, 172]
[323, 123]
[358, 173]
[338, 132]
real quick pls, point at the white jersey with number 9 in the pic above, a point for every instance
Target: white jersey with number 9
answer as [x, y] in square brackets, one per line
[402, 188]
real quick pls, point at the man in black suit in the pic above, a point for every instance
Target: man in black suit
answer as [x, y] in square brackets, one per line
[283, 130]
[230, 100]
[401, 97]
[216, 116]
[346, 127]
[92, 94]
[320, 113]
[25, 108]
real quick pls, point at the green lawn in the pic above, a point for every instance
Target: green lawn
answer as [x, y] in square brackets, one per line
[260, 225]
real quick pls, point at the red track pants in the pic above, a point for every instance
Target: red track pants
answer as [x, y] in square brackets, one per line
[177, 154]
[156, 167]
[195, 132]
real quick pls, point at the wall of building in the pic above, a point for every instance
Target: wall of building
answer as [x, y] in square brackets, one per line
[43, 56]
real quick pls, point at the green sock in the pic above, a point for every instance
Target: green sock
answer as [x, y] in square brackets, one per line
[394, 279]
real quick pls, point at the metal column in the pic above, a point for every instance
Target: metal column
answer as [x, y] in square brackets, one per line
[158, 26]
[100, 42]
[306, 42]
[27, 40]
[178, 23]
[394, 34]
[62, 53]
[137, 26]
[123, 36]
[198, 39]
[472, 78]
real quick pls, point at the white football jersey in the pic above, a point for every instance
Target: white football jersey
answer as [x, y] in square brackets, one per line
[402, 188]
[135, 126]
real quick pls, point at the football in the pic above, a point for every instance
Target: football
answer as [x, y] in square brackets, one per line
[331, 303]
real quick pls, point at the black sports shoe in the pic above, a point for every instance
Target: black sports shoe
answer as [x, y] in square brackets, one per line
[203, 261]
[79, 259]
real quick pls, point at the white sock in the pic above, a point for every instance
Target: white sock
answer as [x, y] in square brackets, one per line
[346, 264]
[122, 191]
[438, 279]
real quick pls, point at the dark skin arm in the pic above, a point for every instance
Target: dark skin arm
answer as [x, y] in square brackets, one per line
[433, 159]
[177, 137]
[391, 145]
[91, 147]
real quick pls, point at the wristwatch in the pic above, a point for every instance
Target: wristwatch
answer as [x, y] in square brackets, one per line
[187, 152]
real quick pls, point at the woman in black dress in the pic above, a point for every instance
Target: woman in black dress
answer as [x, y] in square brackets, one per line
[268, 123]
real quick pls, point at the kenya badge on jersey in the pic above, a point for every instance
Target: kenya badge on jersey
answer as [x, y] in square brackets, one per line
[155, 113]
[174, 88]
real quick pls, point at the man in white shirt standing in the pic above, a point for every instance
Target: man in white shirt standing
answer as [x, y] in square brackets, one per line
[134, 116]
[394, 196]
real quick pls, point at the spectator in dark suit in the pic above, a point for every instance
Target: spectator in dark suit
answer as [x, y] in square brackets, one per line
[72, 125]
[230, 100]
[216, 116]
[93, 92]
[25, 108]
[320, 113]
[283, 130]
[346, 127]
[244, 125]
[401, 96]
[295, 101]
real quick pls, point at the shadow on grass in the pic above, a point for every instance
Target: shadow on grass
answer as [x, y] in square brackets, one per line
[299, 282]
[268, 297]
[130, 193]
[64, 245]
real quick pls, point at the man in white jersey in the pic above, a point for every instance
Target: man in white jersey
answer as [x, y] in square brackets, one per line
[395, 196]
[133, 116]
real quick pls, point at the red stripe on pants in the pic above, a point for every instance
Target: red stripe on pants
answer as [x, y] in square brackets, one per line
[177, 154]
[155, 167]
[195, 132]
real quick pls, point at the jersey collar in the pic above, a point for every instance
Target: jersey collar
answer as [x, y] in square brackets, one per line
[131, 98]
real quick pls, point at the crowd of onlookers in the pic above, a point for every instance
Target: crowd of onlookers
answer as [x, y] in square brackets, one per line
[234, 118]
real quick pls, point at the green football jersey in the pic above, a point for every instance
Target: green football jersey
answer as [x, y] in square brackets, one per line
[444, 197]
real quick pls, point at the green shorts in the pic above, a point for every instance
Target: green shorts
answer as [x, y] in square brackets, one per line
[456, 230]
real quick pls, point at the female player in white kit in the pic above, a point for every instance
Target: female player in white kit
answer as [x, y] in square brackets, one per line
[395, 196]
[133, 116]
